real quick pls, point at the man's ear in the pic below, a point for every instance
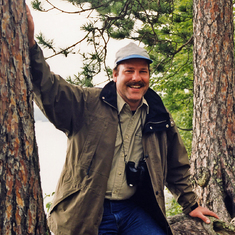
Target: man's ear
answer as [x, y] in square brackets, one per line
[115, 74]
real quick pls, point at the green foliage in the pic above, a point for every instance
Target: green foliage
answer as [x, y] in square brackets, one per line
[84, 78]
[173, 208]
[48, 205]
[36, 4]
[46, 43]
[173, 66]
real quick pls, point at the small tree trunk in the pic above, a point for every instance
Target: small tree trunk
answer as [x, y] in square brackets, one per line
[21, 202]
[213, 147]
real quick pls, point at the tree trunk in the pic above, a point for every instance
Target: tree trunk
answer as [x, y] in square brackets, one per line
[213, 143]
[21, 202]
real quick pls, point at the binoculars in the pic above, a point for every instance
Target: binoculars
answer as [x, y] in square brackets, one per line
[135, 175]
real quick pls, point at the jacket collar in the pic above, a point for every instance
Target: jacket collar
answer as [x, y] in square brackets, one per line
[157, 116]
[109, 94]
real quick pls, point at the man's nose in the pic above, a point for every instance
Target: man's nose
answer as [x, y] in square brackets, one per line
[136, 76]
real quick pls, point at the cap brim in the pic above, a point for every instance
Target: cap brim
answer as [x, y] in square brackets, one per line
[135, 57]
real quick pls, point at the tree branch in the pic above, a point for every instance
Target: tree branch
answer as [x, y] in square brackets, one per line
[72, 12]
[61, 52]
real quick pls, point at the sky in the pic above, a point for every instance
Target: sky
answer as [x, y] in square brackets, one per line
[65, 30]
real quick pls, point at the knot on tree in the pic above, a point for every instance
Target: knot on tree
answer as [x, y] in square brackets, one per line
[203, 177]
[219, 227]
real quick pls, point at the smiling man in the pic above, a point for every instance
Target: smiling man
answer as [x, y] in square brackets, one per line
[132, 81]
[131, 74]
[123, 148]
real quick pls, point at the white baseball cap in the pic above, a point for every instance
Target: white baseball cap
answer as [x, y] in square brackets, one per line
[131, 51]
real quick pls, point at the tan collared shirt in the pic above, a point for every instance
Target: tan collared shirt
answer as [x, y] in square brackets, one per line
[129, 144]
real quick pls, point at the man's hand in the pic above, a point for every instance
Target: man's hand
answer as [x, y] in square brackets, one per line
[200, 212]
[30, 28]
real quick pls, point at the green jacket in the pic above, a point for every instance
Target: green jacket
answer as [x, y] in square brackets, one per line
[88, 116]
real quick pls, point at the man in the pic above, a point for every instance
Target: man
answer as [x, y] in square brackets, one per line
[123, 148]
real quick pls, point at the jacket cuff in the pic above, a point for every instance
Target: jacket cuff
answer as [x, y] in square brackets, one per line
[33, 50]
[187, 210]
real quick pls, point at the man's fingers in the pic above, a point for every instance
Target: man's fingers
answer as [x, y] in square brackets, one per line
[201, 212]
[205, 219]
[210, 213]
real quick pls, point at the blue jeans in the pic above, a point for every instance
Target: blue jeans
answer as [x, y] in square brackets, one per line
[126, 218]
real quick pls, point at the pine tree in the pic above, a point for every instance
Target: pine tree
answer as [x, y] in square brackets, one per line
[21, 203]
[214, 101]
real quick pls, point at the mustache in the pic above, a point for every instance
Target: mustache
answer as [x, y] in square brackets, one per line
[140, 83]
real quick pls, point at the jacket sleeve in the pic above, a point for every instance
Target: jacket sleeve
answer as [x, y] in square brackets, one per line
[178, 175]
[60, 101]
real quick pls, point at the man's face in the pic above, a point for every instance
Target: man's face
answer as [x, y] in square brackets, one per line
[132, 81]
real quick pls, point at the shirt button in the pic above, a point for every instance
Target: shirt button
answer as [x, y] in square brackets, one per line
[151, 127]
[167, 126]
[120, 173]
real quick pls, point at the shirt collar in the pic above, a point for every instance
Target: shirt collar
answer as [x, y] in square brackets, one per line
[121, 103]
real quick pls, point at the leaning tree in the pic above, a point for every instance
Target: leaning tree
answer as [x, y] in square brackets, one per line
[21, 202]
[213, 147]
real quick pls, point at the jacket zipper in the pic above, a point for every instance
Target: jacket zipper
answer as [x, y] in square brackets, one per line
[108, 103]
[156, 122]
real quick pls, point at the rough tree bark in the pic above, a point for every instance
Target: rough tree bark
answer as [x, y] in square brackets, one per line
[213, 147]
[21, 202]
[185, 225]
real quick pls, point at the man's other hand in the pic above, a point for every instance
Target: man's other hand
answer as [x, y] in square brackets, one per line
[201, 212]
